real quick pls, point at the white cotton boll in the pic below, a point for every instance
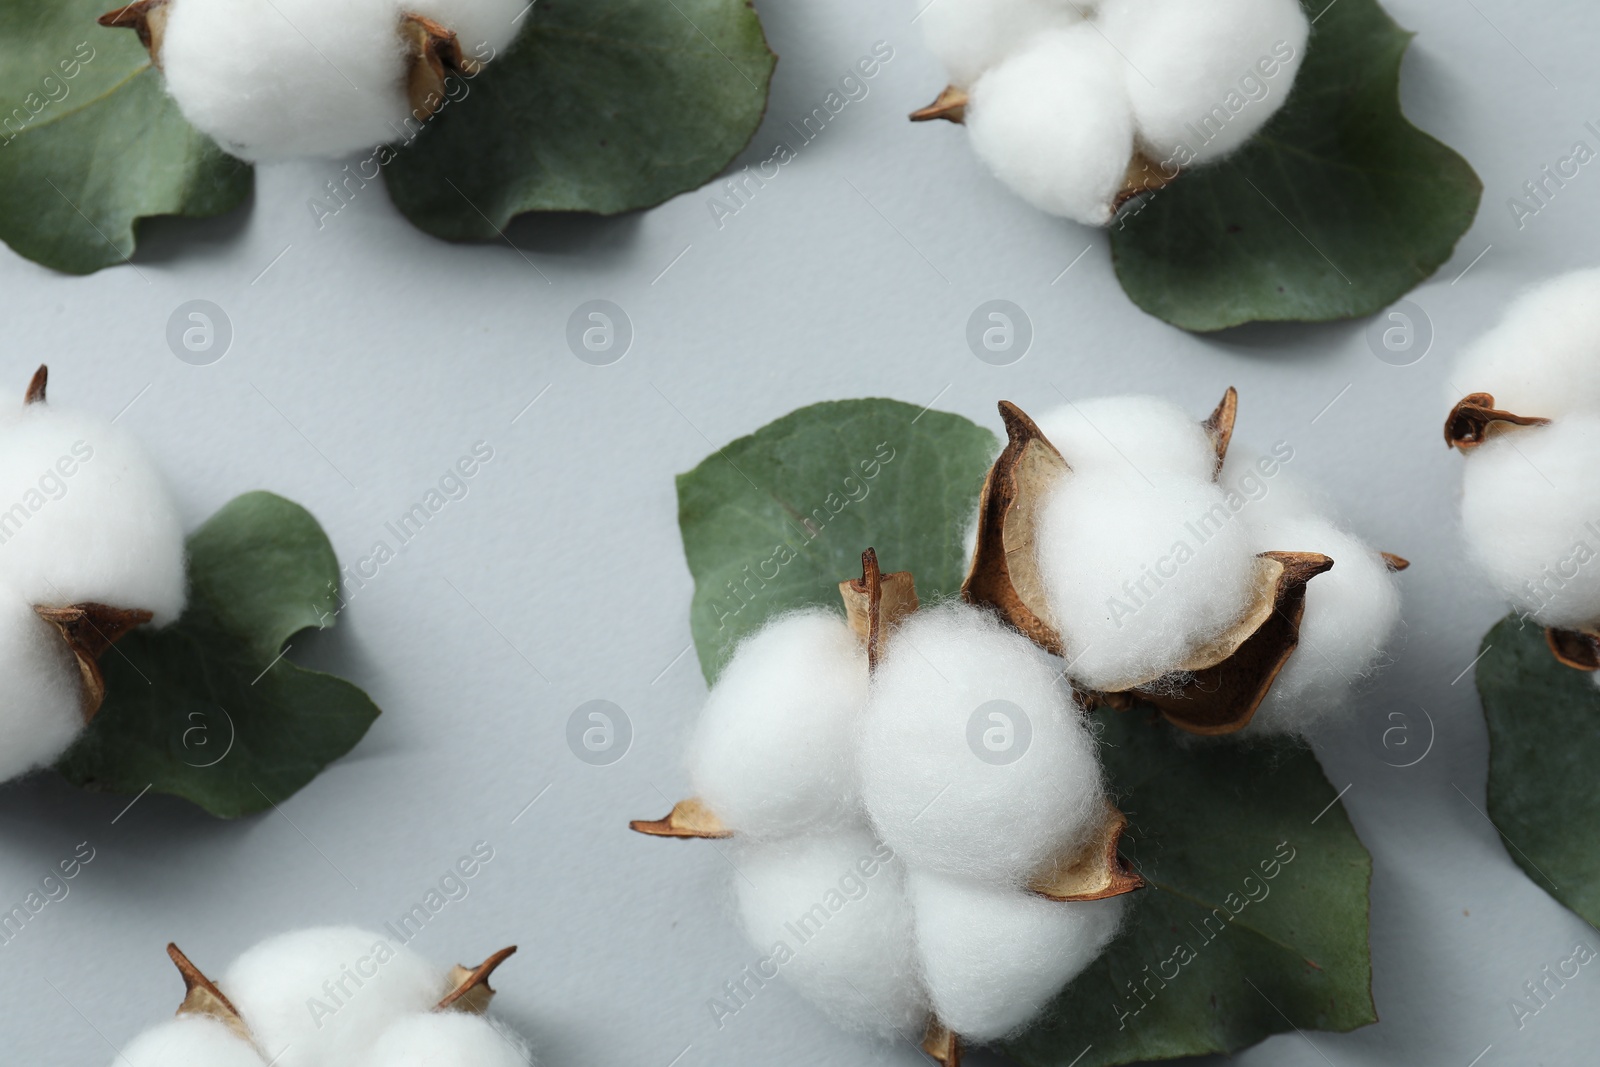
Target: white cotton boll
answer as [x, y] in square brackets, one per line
[1266, 491]
[1141, 574]
[1130, 436]
[1197, 70]
[85, 516]
[1351, 612]
[1054, 124]
[274, 79]
[1530, 511]
[772, 753]
[322, 996]
[830, 913]
[476, 23]
[1540, 358]
[448, 1039]
[189, 1041]
[993, 956]
[41, 708]
[973, 758]
[971, 36]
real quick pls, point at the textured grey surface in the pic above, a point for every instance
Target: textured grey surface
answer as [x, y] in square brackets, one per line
[369, 357]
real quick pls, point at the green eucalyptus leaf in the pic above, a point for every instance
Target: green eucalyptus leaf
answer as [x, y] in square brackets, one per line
[1213, 823]
[90, 143]
[1254, 918]
[774, 521]
[1544, 735]
[1337, 208]
[208, 708]
[600, 106]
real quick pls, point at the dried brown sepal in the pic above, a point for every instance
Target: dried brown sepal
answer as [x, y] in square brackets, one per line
[435, 54]
[951, 105]
[36, 386]
[147, 18]
[1394, 563]
[688, 818]
[202, 997]
[1096, 870]
[1224, 684]
[1219, 427]
[1475, 419]
[90, 629]
[875, 603]
[941, 1044]
[469, 986]
[1578, 649]
[1004, 572]
[1144, 175]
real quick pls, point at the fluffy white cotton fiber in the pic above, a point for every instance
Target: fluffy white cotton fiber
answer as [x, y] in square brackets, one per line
[1540, 359]
[87, 516]
[831, 914]
[367, 982]
[970, 36]
[1130, 436]
[447, 1039]
[332, 997]
[1350, 616]
[41, 709]
[973, 758]
[1053, 122]
[773, 751]
[272, 79]
[189, 1041]
[1530, 509]
[1197, 71]
[993, 956]
[1141, 573]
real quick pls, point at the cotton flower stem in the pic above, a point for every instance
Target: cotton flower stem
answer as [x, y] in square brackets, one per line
[147, 18]
[90, 629]
[469, 986]
[1475, 419]
[202, 997]
[688, 819]
[950, 105]
[876, 603]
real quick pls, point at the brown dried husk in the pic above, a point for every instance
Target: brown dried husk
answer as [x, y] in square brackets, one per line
[1217, 689]
[1475, 420]
[147, 18]
[434, 53]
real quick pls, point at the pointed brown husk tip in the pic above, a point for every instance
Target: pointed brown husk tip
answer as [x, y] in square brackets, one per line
[202, 997]
[1578, 649]
[941, 1044]
[435, 54]
[36, 386]
[1095, 870]
[89, 629]
[1004, 573]
[950, 105]
[1144, 175]
[1475, 419]
[1219, 427]
[876, 603]
[469, 986]
[147, 18]
[1395, 563]
[687, 819]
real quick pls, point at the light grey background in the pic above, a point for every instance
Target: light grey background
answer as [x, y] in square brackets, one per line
[368, 357]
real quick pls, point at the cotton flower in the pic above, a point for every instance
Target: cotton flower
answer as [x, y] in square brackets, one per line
[1076, 107]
